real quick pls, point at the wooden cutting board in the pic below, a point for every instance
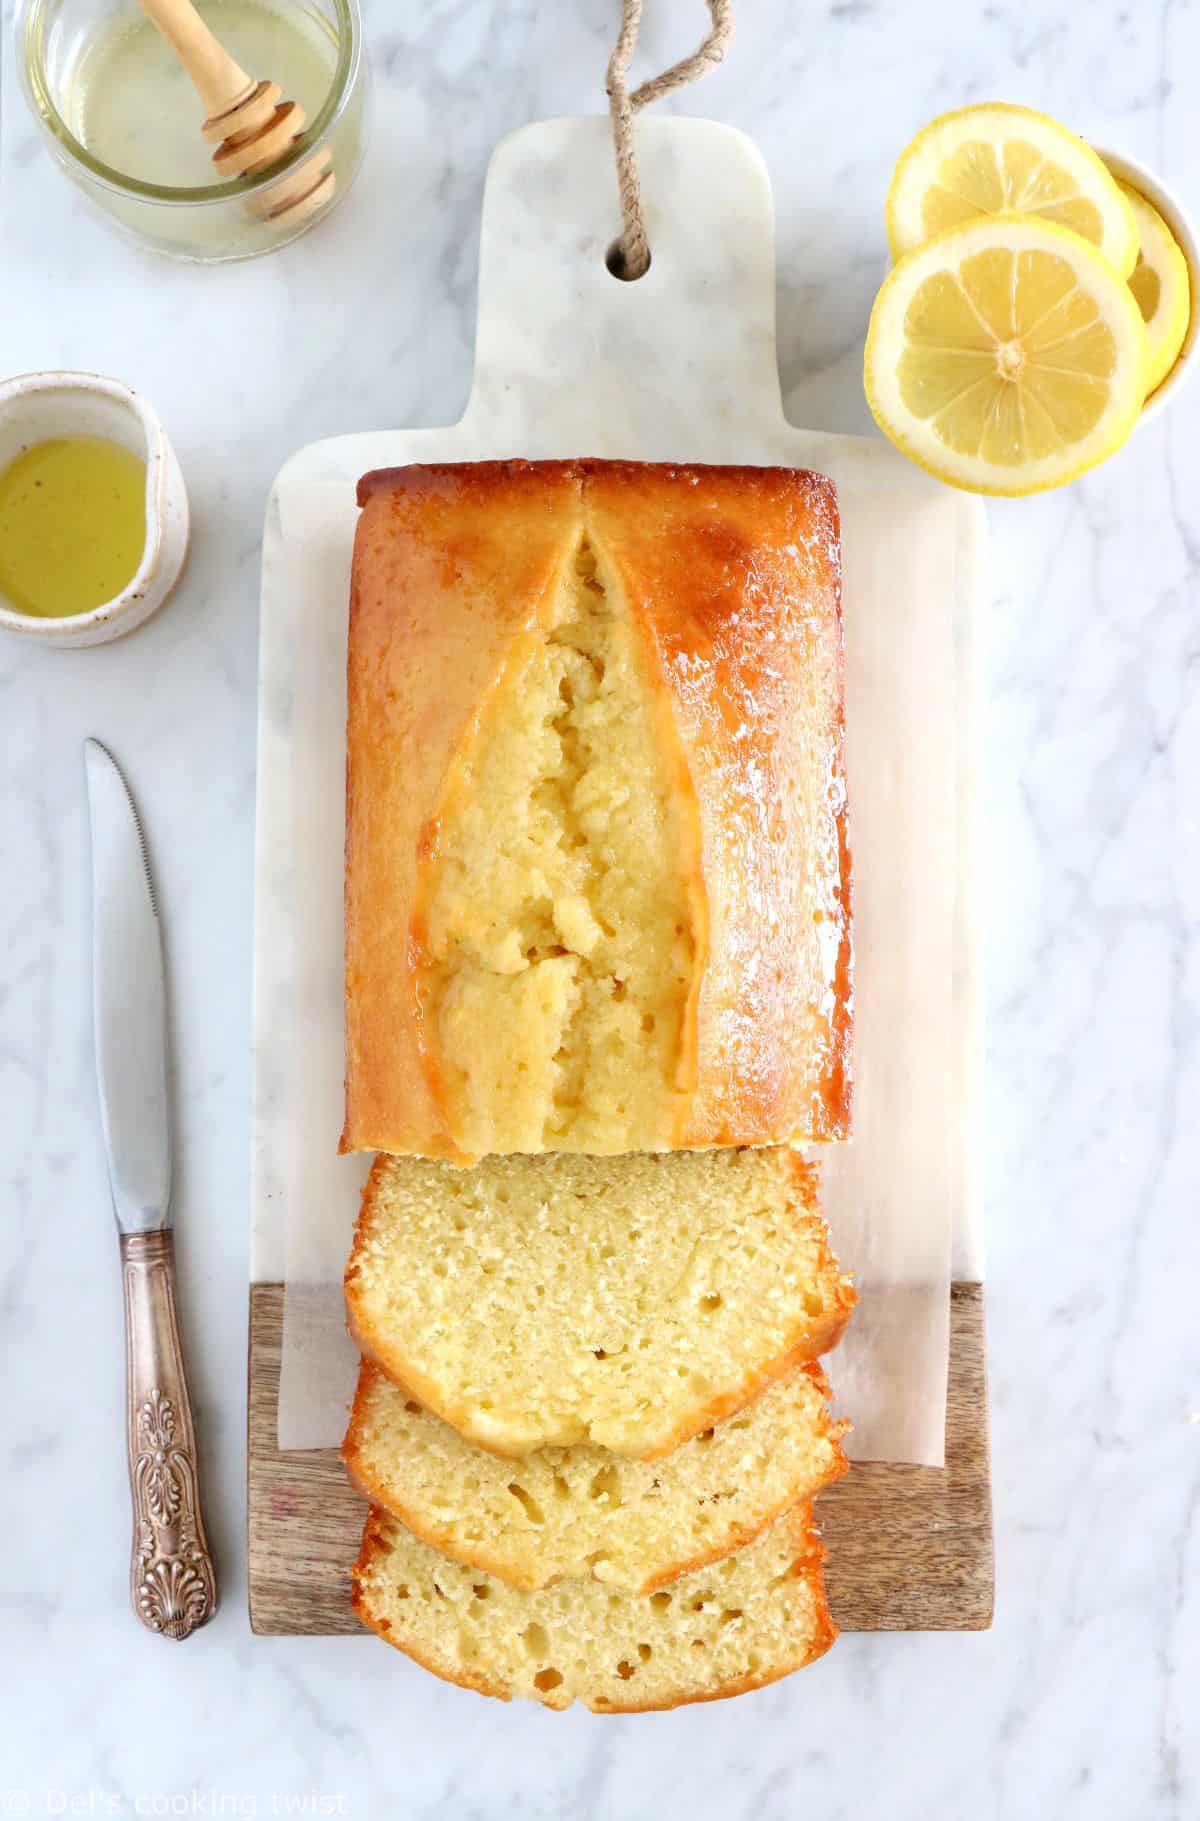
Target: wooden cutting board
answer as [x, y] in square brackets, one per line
[910, 1548]
[681, 364]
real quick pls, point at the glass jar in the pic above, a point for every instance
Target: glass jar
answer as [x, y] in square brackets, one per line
[60, 44]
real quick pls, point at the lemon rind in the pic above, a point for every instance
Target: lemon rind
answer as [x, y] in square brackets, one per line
[1175, 279]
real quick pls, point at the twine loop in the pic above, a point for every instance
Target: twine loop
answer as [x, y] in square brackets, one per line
[632, 251]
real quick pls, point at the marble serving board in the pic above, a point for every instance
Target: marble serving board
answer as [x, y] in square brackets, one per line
[680, 365]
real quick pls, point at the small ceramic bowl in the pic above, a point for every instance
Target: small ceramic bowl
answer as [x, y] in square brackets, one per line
[1127, 170]
[37, 406]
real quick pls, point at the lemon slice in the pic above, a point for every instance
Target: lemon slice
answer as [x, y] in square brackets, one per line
[1162, 285]
[992, 158]
[1006, 355]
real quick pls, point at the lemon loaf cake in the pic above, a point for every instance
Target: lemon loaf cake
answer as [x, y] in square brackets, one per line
[624, 1301]
[577, 1511]
[741, 1623]
[597, 885]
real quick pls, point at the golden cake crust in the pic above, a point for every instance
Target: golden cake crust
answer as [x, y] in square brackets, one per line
[450, 567]
[731, 579]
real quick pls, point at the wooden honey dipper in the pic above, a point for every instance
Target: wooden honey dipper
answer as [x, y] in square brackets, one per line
[252, 123]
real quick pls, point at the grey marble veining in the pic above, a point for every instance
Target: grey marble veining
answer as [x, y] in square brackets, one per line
[1082, 1702]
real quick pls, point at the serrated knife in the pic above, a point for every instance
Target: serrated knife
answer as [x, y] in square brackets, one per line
[172, 1580]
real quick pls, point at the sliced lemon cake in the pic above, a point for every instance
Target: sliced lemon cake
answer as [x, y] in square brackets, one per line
[625, 1301]
[743, 1622]
[579, 1511]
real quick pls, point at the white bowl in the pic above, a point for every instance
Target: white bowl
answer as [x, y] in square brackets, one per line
[1176, 217]
[37, 406]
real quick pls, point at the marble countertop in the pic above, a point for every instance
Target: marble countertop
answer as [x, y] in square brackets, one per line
[1082, 1701]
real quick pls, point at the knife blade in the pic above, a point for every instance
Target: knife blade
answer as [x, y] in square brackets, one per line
[172, 1579]
[129, 1003]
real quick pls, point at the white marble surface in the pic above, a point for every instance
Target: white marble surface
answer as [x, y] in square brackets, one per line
[1082, 1702]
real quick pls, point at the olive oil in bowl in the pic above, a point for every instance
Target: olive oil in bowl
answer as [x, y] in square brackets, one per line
[72, 525]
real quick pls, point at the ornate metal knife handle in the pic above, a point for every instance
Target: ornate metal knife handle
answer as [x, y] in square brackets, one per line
[173, 1583]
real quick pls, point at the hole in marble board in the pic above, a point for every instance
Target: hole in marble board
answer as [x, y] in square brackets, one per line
[614, 259]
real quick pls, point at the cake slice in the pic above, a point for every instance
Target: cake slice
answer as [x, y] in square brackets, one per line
[744, 1622]
[628, 1302]
[560, 1512]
